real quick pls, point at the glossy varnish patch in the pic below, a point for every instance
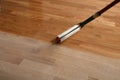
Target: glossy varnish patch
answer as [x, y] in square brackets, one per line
[45, 19]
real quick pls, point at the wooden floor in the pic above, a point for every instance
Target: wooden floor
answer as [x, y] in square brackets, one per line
[27, 28]
[23, 58]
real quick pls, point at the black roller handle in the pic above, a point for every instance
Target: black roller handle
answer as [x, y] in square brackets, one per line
[99, 13]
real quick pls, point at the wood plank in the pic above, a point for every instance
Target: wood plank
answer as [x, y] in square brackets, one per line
[28, 59]
[44, 19]
[28, 54]
[13, 72]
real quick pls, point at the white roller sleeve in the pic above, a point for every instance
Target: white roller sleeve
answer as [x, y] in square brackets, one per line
[70, 31]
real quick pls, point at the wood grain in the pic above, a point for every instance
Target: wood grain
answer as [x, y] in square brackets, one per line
[23, 58]
[45, 19]
[91, 54]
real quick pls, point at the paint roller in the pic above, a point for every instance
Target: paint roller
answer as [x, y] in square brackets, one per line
[63, 36]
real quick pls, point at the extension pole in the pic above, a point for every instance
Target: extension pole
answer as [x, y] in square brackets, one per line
[61, 37]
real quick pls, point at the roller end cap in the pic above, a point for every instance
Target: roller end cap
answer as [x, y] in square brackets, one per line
[57, 40]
